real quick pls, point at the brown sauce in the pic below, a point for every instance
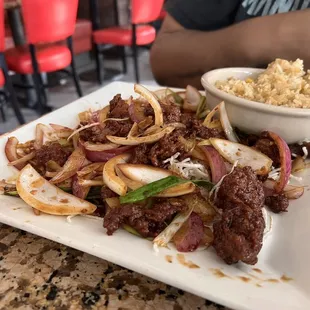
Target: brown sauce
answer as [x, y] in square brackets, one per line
[285, 278]
[257, 270]
[37, 183]
[272, 280]
[218, 273]
[244, 279]
[181, 259]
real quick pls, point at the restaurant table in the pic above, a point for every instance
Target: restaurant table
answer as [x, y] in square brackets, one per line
[36, 273]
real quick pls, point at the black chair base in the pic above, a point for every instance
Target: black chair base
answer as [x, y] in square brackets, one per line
[134, 47]
[39, 85]
[11, 95]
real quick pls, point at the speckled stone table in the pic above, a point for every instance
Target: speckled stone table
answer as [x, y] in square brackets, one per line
[36, 273]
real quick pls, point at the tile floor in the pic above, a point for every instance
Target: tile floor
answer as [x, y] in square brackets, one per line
[62, 95]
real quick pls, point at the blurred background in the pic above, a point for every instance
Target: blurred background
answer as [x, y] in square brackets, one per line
[52, 52]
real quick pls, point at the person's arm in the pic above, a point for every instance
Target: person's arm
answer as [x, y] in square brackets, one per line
[180, 56]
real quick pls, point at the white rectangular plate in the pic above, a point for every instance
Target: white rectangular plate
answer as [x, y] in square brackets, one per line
[266, 286]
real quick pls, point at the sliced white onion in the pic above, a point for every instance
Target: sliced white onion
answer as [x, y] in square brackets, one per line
[160, 93]
[115, 183]
[113, 202]
[246, 156]
[99, 147]
[143, 173]
[133, 185]
[149, 96]
[168, 233]
[82, 128]
[22, 160]
[71, 166]
[268, 222]
[229, 131]
[144, 139]
[44, 196]
[136, 175]
[210, 122]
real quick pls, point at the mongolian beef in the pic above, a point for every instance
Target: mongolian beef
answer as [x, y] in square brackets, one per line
[163, 167]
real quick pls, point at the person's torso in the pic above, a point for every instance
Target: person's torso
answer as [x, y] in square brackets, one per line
[254, 8]
[216, 14]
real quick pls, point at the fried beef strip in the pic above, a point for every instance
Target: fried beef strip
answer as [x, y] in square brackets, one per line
[277, 203]
[171, 113]
[238, 235]
[148, 222]
[268, 147]
[195, 126]
[140, 154]
[168, 146]
[240, 188]
[53, 151]
[246, 139]
[118, 109]
[107, 193]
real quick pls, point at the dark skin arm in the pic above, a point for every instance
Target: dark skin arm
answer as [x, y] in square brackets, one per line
[180, 56]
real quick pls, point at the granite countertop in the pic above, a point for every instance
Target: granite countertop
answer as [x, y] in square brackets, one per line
[36, 273]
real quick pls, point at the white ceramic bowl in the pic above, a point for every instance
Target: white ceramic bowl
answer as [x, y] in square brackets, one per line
[292, 124]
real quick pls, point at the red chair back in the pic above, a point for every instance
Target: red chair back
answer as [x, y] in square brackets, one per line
[2, 31]
[145, 11]
[49, 20]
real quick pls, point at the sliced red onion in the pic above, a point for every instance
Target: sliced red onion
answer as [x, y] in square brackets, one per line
[285, 160]
[39, 135]
[192, 99]
[22, 160]
[216, 163]
[78, 190]
[11, 152]
[101, 156]
[99, 147]
[70, 168]
[189, 236]
[60, 127]
[290, 191]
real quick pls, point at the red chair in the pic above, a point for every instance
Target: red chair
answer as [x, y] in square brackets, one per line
[139, 34]
[5, 81]
[46, 22]
[162, 14]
